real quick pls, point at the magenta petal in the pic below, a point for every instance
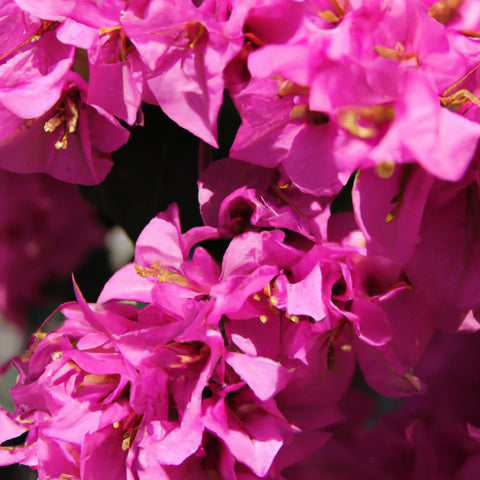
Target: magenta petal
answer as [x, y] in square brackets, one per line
[257, 453]
[304, 297]
[310, 164]
[159, 242]
[432, 134]
[102, 455]
[113, 86]
[264, 376]
[32, 81]
[127, 284]
[381, 376]
[10, 456]
[474, 432]
[286, 60]
[372, 324]
[48, 9]
[8, 429]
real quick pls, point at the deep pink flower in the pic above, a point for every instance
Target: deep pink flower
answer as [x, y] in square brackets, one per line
[47, 237]
[72, 141]
[186, 49]
[34, 73]
[237, 196]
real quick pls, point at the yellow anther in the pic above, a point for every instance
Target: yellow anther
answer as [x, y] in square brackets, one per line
[385, 169]
[348, 119]
[62, 143]
[459, 98]
[50, 125]
[116, 424]
[294, 318]
[397, 53]
[302, 112]
[194, 31]
[328, 16]
[338, 8]
[386, 52]
[351, 119]
[444, 11]
[110, 29]
[18, 419]
[56, 355]
[413, 380]
[287, 87]
[470, 33]
[103, 379]
[257, 297]
[263, 318]
[126, 441]
[346, 348]
[71, 114]
[162, 274]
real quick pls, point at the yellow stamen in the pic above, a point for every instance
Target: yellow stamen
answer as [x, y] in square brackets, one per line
[162, 274]
[126, 441]
[444, 11]
[386, 52]
[338, 8]
[471, 34]
[72, 110]
[50, 125]
[287, 87]
[397, 53]
[56, 355]
[61, 144]
[329, 16]
[385, 169]
[349, 118]
[110, 29]
[459, 98]
[194, 31]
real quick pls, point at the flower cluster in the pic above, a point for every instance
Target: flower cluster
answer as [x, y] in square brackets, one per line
[349, 216]
[40, 239]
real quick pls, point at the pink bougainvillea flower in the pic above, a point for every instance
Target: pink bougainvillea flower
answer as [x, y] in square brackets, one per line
[16, 27]
[390, 219]
[426, 435]
[428, 133]
[279, 131]
[92, 14]
[424, 218]
[376, 119]
[187, 49]
[269, 201]
[33, 74]
[115, 76]
[162, 260]
[48, 237]
[71, 142]
[86, 392]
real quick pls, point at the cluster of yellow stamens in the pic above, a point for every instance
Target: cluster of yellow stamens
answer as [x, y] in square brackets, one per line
[65, 118]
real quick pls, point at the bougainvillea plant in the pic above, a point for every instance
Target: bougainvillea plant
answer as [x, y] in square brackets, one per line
[317, 316]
